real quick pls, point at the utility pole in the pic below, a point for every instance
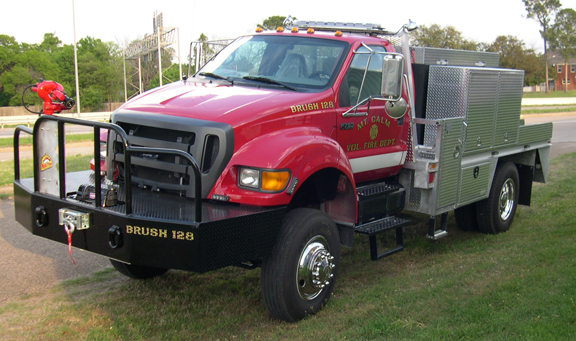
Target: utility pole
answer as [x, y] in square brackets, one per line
[75, 61]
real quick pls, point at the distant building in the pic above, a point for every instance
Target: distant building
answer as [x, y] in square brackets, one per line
[559, 76]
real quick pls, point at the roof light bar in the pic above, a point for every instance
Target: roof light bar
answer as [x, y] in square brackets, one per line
[372, 29]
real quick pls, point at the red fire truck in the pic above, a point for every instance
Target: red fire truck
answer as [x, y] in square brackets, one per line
[281, 148]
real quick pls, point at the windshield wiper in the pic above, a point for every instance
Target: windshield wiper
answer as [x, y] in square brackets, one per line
[213, 75]
[268, 81]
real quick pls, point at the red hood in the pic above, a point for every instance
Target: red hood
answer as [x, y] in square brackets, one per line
[234, 105]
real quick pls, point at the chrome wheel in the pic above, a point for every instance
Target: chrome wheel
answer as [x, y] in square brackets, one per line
[507, 197]
[496, 213]
[297, 279]
[315, 267]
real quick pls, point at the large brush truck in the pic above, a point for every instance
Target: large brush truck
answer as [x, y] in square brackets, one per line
[284, 146]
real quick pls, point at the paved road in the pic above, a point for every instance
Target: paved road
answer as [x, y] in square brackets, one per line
[30, 264]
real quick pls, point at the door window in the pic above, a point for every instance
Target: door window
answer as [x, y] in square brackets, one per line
[352, 83]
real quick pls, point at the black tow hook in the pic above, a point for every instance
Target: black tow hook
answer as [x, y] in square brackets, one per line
[41, 216]
[115, 239]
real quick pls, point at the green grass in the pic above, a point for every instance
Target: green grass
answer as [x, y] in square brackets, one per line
[550, 94]
[556, 109]
[73, 164]
[519, 285]
[26, 140]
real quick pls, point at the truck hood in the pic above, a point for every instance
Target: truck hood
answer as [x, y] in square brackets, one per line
[231, 104]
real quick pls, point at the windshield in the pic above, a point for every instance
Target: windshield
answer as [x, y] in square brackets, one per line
[299, 62]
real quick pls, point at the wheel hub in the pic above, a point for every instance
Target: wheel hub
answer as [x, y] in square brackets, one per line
[315, 268]
[506, 202]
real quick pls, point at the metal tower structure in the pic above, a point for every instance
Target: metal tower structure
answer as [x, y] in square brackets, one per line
[149, 48]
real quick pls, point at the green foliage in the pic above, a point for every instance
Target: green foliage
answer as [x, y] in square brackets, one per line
[562, 36]
[446, 37]
[91, 98]
[99, 65]
[50, 44]
[273, 22]
[172, 74]
[514, 55]
[542, 11]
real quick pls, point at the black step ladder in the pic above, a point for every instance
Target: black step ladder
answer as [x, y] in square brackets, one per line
[382, 225]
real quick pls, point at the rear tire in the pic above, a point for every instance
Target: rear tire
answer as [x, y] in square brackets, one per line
[466, 219]
[297, 279]
[495, 214]
[137, 271]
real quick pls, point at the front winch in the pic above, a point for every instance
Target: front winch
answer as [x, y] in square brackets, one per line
[87, 193]
[73, 220]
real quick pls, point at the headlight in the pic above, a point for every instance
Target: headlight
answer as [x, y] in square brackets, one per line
[249, 178]
[265, 180]
[103, 149]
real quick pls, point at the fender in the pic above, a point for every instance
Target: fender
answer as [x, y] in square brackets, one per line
[303, 151]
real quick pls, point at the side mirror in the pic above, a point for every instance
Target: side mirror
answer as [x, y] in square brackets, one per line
[392, 73]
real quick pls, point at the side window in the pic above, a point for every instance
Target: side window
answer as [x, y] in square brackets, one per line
[349, 93]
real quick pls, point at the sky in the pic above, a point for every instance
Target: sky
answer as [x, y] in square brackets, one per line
[122, 21]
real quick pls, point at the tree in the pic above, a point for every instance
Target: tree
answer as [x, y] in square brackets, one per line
[8, 50]
[446, 37]
[100, 69]
[168, 76]
[24, 67]
[562, 36]
[543, 11]
[207, 51]
[50, 43]
[514, 55]
[273, 22]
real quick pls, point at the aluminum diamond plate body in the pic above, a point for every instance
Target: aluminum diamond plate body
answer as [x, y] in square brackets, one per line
[437, 56]
[487, 98]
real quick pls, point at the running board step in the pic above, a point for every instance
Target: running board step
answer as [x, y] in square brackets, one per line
[442, 232]
[382, 225]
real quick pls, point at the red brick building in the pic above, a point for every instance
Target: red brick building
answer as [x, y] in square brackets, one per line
[559, 75]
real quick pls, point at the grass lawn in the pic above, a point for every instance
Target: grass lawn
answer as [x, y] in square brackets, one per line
[519, 285]
[550, 94]
[553, 110]
[73, 163]
[26, 140]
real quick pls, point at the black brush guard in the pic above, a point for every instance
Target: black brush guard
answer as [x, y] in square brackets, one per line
[146, 228]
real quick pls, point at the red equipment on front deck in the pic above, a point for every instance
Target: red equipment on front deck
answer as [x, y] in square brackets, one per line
[50, 92]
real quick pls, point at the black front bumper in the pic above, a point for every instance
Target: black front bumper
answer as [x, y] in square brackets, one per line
[161, 231]
[144, 227]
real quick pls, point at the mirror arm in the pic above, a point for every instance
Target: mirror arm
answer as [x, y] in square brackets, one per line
[349, 113]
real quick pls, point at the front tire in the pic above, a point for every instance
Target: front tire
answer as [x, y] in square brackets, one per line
[298, 278]
[495, 214]
[137, 271]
